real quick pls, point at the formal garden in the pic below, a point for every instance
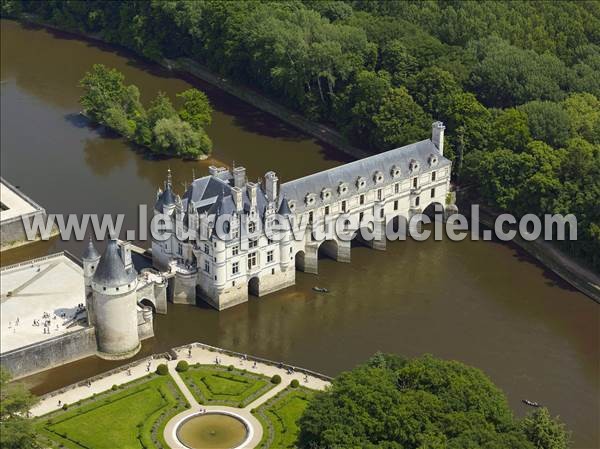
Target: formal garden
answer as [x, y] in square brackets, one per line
[131, 415]
[134, 415]
[219, 385]
[279, 417]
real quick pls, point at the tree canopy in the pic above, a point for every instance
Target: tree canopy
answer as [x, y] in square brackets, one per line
[393, 403]
[161, 128]
[16, 430]
[500, 74]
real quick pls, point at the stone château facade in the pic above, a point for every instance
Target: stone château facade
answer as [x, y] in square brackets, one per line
[380, 190]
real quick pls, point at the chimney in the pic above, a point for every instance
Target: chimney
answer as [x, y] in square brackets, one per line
[126, 254]
[238, 199]
[239, 177]
[437, 136]
[271, 185]
[251, 187]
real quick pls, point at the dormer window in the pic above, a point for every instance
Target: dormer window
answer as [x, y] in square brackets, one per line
[326, 194]
[433, 160]
[310, 199]
[395, 172]
[343, 188]
[378, 177]
[413, 166]
[361, 182]
[292, 205]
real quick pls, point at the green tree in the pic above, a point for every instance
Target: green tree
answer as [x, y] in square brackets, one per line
[397, 60]
[420, 403]
[511, 130]
[160, 108]
[583, 111]
[176, 137]
[544, 431]
[196, 109]
[548, 121]
[399, 120]
[16, 430]
[103, 89]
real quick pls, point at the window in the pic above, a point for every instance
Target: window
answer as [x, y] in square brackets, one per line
[270, 256]
[395, 204]
[310, 217]
[417, 201]
[326, 210]
[235, 268]
[179, 249]
[251, 227]
[344, 206]
[381, 213]
[415, 183]
[252, 243]
[207, 266]
[432, 193]
[273, 271]
[433, 176]
[206, 248]
[235, 233]
[361, 199]
[252, 260]
[360, 217]
[235, 250]
[379, 194]
[397, 187]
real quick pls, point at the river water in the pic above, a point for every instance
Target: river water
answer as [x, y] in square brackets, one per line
[483, 303]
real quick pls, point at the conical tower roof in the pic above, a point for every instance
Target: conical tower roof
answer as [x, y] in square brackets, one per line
[90, 252]
[111, 271]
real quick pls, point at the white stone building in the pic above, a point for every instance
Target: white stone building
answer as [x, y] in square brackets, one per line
[376, 191]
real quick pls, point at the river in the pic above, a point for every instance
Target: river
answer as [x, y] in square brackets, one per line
[483, 303]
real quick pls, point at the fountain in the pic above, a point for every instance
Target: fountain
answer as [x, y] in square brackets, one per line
[214, 430]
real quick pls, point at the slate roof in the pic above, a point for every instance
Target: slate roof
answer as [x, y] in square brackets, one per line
[90, 252]
[111, 271]
[214, 196]
[402, 157]
[166, 198]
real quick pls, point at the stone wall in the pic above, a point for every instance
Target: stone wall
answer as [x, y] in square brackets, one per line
[50, 353]
[12, 231]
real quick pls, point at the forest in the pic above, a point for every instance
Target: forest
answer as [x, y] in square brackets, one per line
[516, 83]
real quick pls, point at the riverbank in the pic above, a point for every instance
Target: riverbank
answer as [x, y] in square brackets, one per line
[551, 257]
[188, 67]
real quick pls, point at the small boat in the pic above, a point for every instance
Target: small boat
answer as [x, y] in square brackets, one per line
[320, 290]
[530, 403]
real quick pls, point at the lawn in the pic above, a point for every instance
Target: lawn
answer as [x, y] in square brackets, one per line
[213, 385]
[129, 418]
[279, 417]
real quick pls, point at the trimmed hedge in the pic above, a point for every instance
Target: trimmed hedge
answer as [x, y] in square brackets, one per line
[276, 379]
[162, 369]
[182, 366]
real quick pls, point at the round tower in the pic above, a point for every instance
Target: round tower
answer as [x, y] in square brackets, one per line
[115, 304]
[90, 259]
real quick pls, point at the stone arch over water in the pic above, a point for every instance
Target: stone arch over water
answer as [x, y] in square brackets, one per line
[254, 286]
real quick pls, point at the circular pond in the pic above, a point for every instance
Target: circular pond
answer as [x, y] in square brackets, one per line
[213, 430]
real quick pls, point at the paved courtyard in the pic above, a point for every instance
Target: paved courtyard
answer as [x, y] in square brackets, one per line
[51, 285]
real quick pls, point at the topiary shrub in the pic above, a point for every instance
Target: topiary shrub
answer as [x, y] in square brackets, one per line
[162, 369]
[114, 388]
[276, 379]
[230, 368]
[294, 383]
[182, 366]
[65, 406]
